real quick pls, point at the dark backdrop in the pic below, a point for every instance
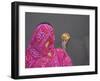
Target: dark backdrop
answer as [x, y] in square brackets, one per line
[76, 25]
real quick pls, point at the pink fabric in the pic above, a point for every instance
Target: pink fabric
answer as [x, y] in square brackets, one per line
[40, 55]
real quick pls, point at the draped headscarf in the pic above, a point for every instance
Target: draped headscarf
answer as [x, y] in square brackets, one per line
[41, 51]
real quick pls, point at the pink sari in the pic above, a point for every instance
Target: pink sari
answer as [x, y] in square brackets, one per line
[41, 51]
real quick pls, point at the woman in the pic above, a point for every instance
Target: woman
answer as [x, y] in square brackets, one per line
[41, 51]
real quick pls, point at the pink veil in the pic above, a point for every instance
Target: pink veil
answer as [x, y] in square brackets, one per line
[41, 51]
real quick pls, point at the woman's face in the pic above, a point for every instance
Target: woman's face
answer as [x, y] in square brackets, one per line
[44, 37]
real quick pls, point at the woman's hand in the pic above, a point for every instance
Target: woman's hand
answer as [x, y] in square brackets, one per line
[64, 43]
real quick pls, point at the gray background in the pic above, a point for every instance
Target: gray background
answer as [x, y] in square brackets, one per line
[76, 25]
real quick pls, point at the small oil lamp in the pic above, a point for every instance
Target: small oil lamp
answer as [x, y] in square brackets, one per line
[65, 36]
